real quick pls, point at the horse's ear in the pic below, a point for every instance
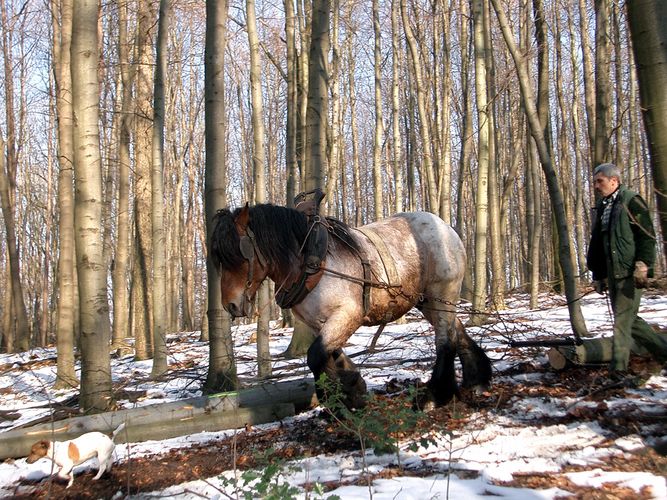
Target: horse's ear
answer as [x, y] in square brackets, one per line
[243, 217]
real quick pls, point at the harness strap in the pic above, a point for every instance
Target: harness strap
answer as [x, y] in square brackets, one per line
[386, 258]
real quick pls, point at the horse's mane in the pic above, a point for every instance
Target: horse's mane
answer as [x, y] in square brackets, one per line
[279, 233]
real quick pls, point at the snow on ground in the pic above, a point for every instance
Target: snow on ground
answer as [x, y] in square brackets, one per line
[472, 462]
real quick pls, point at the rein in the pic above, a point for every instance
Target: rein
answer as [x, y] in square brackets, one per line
[248, 247]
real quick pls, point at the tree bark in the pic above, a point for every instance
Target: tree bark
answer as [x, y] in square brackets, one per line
[222, 366]
[396, 108]
[8, 167]
[259, 177]
[230, 410]
[65, 326]
[379, 126]
[432, 199]
[121, 300]
[159, 259]
[143, 127]
[601, 151]
[316, 135]
[565, 255]
[95, 362]
[292, 104]
[648, 29]
[482, 203]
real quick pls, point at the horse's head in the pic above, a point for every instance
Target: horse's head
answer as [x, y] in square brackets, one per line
[241, 264]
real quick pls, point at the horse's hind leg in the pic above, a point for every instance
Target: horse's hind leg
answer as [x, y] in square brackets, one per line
[452, 340]
[475, 363]
[442, 386]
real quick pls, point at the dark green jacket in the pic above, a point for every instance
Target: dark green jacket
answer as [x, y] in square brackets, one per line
[630, 238]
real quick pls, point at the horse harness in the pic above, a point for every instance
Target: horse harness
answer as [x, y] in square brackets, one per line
[248, 247]
[314, 250]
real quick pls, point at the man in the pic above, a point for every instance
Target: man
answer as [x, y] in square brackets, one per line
[621, 255]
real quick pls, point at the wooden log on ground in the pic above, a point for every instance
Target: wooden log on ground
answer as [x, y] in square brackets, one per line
[589, 352]
[256, 405]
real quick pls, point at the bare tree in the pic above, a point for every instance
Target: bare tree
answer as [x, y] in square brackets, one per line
[222, 367]
[62, 37]
[378, 136]
[601, 151]
[259, 177]
[648, 28]
[555, 194]
[92, 273]
[121, 301]
[157, 199]
[20, 330]
[481, 205]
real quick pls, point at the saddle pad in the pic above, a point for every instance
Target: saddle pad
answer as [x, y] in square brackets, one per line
[385, 256]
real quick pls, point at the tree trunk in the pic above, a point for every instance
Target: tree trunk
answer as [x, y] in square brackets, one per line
[95, 361]
[159, 294]
[648, 29]
[222, 367]
[121, 300]
[143, 127]
[396, 107]
[482, 204]
[466, 139]
[565, 256]
[379, 128]
[424, 130]
[316, 136]
[601, 151]
[497, 260]
[8, 168]
[260, 404]
[318, 91]
[589, 76]
[62, 37]
[292, 104]
[259, 177]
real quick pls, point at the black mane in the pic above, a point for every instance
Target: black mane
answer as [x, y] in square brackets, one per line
[279, 232]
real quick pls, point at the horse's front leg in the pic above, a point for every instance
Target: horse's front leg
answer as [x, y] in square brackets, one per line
[326, 356]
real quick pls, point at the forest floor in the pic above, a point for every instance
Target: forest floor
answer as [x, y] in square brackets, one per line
[629, 424]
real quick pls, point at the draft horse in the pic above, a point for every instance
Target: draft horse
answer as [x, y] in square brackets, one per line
[365, 276]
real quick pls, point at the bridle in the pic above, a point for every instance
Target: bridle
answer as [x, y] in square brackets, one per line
[249, 249]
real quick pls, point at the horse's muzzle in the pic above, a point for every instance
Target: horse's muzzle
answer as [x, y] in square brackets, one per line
[244, 309]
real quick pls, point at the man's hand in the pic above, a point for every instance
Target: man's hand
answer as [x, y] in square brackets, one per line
[600, 286]
[641, 274]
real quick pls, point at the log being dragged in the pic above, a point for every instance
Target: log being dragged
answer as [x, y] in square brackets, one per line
[231, 410]
[596, 351]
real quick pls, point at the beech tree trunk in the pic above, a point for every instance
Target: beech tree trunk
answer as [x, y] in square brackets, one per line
[222, 366]
[65, 326]
[555, 194]
[482, 203]
[259, 177]
[91, 267]
[379, 127]
[648, 28]
[158, 235]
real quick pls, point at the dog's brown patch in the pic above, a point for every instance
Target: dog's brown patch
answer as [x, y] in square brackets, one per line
[73, 452]
[37, 451]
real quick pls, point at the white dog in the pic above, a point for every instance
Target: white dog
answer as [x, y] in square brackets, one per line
[67, 454]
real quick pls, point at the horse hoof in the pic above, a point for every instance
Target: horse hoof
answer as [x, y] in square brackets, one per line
[423, 401]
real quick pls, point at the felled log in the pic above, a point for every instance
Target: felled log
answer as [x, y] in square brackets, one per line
[589, 352]
[231, 410]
